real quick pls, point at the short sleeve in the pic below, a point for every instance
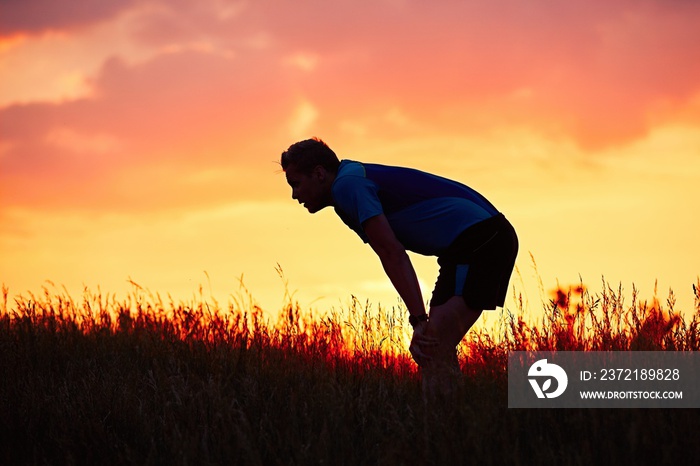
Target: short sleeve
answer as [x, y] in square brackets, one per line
[357, 198]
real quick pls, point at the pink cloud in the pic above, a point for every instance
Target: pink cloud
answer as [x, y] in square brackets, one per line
[36, 16]
[174, 115]
[222, 84]
[588, 71]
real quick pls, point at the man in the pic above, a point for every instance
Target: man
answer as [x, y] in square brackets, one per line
[396, 209]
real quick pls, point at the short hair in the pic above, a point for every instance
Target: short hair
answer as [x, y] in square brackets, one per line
[308, 154]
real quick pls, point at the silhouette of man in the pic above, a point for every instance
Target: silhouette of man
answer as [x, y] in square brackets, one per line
[395, 209]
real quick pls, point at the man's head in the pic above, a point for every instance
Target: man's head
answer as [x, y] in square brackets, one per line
[306, 155]
[310, 167]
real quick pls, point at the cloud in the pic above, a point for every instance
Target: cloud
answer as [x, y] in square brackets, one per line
[35, 16]
[590, 72]
[302, 60]
[216, 86]
[95, 144]
[148, 126]
[304, 117]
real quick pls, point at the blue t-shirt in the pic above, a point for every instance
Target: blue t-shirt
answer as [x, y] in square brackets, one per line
[426, 212]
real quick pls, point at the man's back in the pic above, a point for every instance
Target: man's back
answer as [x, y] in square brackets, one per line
[427, 212]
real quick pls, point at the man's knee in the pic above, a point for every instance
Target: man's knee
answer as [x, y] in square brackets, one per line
[449, 322]
[473, 314]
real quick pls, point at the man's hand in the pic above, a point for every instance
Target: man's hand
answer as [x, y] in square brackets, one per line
[420, 342]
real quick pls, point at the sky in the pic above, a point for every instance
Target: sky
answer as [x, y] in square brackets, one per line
[140, 140]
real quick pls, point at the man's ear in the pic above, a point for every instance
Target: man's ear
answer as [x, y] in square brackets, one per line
[320, 173]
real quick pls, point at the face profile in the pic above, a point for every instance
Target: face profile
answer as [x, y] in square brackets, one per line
[312, 190]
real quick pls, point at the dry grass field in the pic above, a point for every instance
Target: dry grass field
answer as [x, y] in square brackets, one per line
[98, 380]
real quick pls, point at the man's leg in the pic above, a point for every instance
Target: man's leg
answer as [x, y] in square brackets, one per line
[448, 323]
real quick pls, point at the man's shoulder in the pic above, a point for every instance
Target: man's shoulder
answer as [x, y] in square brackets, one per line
[351, 168]
[350, 174]
[352, 185]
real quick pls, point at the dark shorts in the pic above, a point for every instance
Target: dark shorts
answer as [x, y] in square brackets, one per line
[478, 265]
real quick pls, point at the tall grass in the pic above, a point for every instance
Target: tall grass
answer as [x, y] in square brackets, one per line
[100, 380]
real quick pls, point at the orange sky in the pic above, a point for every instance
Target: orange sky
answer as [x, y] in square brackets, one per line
[139, 139]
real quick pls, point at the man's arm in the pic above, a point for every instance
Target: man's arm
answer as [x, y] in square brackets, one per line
[398, 267]
[395, 261]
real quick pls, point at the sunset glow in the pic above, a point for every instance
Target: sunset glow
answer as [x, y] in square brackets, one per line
[139, 139]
